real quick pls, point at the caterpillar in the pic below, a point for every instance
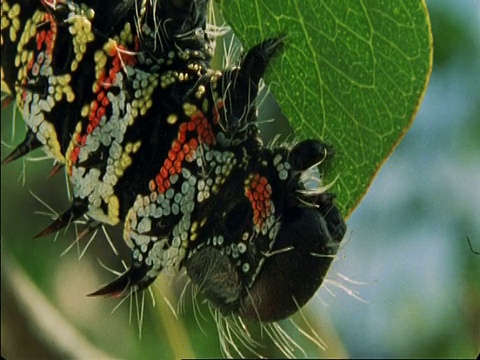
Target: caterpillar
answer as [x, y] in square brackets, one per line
[155, 140]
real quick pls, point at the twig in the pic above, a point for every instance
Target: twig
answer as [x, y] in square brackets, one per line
[47, 322]
[476, 252]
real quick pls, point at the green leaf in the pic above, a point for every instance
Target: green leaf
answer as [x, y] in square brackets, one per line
[353, 74]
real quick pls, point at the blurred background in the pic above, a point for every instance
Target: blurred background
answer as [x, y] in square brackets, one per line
[408, 235]
[406, 282]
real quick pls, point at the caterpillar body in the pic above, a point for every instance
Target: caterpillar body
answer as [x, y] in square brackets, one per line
[154, 140]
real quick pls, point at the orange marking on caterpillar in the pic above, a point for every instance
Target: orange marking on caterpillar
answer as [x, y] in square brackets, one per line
[259, 192]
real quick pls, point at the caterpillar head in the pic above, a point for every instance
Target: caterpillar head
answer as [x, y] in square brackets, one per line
[264, 255]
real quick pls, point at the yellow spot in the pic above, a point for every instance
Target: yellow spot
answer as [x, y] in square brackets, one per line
[200, 92]
[136, 146]
[189, 109]
[85, 111]
[149, 104]
[90, 13]
[110, 47]
[125, 161]
[13, 34]
[134, 114]
[152, 187]
[23, 56]
[194, 226]
[14, 11]
[172, 119]
[113, 210]
[70, 96]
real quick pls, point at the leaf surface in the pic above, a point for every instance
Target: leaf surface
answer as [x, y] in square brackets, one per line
[353, 74]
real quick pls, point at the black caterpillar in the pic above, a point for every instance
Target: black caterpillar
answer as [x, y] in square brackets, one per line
[153, 138]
